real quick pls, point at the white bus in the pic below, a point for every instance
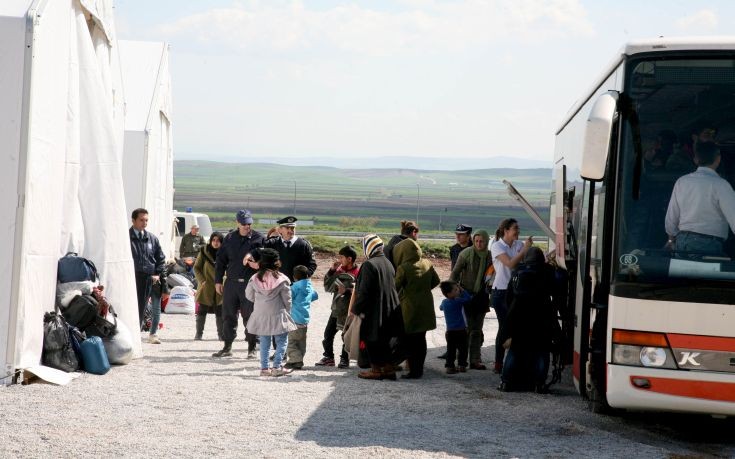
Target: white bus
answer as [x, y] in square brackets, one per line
[648, 328]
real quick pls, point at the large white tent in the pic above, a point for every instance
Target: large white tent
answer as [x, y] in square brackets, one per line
[61, 130]
[148, 155]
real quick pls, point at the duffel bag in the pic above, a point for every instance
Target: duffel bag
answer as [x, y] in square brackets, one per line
[73, 268]
[57, 347]
[82, 311]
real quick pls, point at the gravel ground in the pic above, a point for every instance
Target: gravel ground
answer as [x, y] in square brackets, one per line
[178, 401]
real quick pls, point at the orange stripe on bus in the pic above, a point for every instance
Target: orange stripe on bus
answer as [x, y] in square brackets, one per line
[706, 343]
[707, 390]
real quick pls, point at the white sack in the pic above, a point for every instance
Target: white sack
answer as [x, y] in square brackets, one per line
[181, 301]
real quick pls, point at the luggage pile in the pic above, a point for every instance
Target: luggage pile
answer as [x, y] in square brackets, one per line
[83, 333]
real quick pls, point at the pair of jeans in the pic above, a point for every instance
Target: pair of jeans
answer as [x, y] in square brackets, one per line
[281, 342]
[526, 369]
[501, 311]
[155, 310]
[143, 286]
[698, 245]
[328, 343]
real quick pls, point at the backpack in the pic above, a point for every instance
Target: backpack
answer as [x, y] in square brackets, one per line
[82, 311]
[57, 347]
[73, 268]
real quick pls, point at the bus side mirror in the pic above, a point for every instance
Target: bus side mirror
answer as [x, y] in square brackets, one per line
[597, 136]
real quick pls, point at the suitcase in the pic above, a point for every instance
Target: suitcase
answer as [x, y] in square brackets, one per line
[94, 356]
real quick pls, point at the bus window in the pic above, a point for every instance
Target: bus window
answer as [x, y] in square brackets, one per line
[673, 104]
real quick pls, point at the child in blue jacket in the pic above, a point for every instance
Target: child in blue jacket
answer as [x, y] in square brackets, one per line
[456, 335]
[302, 295]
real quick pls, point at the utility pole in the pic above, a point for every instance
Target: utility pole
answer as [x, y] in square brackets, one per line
[418, 200]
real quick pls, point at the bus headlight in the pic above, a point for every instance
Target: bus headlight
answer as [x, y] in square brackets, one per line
[626, 355]
[653, 357]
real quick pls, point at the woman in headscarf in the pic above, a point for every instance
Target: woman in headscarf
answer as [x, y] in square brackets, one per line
[376, 302]
[507, 252]
[469, 271]
[207, 297]
[530, 324]
[415, 278]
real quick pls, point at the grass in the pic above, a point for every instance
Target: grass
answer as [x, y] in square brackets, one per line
[332, 245]
[351, 200]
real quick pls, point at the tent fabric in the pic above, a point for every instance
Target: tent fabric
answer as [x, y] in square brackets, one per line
[148, 152]
[65, 157]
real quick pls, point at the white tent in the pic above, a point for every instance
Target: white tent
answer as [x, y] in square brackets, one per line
[148, 165]
[61, 129]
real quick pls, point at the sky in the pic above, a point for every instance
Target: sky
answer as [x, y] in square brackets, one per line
[419, 78]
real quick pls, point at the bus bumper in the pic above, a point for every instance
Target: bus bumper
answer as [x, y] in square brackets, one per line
[647, 389]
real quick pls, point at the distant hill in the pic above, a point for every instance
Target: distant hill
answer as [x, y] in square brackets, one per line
[388, 162]
[349, 197]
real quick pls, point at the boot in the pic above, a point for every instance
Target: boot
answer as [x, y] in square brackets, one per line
[225, 351]
[373, 373]
[388, 372]
[218, 320]
[201, 320]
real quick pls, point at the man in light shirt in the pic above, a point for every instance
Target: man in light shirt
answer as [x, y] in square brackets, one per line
[702, 207]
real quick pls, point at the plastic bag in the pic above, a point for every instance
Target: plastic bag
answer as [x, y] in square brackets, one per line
[119, 347]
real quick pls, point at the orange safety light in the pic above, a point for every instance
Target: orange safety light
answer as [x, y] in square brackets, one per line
[639, 338]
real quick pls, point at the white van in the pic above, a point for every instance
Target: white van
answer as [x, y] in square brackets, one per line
[183, 222]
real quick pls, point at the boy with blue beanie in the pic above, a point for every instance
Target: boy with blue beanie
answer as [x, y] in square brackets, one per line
[302, 295]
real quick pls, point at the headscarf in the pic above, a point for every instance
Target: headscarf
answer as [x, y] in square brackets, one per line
[211, 251]
[371, 245]
[534, 257]
[477, 260]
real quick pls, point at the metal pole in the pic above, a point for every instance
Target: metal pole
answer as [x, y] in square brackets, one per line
[294, 197]
[418, 195]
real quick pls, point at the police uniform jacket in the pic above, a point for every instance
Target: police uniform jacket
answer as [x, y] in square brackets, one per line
[148, 258]
[190, 245]
[232, 252]
[300, 253]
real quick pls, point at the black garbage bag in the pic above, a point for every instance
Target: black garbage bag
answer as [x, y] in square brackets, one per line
[57, 347]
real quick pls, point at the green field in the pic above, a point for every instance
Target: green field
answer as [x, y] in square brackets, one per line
[359, 199]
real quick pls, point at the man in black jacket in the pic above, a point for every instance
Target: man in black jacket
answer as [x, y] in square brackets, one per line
[230, 262]
[293, 250]
[148, 259]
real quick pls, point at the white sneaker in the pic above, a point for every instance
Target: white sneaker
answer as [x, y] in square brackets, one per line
[153, 339]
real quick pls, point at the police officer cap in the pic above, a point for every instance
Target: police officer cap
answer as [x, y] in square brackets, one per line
[287, 221]
[463, 229]
[244, 217]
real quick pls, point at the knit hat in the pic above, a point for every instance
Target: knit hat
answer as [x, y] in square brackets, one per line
[268, 258]
[370, 244]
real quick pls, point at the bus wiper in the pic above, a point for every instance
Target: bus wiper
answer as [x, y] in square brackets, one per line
[635, 125]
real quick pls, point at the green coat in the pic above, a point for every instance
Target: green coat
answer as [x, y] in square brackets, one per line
[414, 280]
[204, 272]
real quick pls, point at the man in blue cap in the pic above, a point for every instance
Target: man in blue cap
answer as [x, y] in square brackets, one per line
[236, 245]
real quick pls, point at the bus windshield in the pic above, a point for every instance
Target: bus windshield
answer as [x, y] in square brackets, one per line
[677, 109]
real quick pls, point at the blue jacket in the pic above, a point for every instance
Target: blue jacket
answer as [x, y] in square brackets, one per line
[302, 294]
[454, 311]
[148, 257]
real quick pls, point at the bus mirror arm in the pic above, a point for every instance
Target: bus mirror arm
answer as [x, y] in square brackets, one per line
[635, 127]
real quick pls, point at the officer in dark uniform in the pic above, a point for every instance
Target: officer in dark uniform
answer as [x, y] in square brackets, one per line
[463, 234]
[236, 245]
[292, 250]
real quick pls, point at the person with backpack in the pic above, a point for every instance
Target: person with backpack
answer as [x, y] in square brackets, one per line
[415, 278]
[530, 324]
[507, 252]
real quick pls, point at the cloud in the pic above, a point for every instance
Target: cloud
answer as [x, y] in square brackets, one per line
[702, 21]
[423, 26]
